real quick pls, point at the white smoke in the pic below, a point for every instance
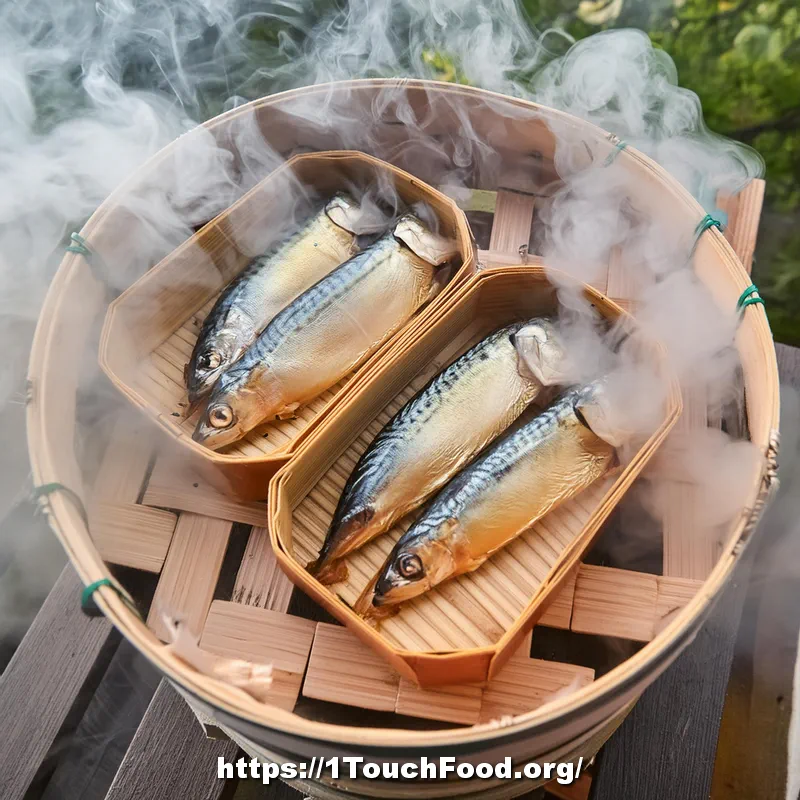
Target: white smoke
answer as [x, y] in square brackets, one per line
[89, 92]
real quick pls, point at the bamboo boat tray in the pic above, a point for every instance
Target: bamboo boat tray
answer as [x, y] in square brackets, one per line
[465, 630]
[151, 328]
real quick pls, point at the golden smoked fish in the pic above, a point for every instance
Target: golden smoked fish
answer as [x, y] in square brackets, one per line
[515, 482]
[327, 331]
[268, 284]
[433, 436]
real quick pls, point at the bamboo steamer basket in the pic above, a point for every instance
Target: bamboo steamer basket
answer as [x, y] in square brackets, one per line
[519, 133]
[448, 636]
[150, 329]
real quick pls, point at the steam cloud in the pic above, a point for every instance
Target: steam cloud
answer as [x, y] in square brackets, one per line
[72, 129]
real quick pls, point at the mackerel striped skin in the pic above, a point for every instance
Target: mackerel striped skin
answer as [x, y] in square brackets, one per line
[515, 482]
[268, 284]
[318, 339]
[429, 440]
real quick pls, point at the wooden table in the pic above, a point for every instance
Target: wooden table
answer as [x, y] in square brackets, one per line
[714, 725]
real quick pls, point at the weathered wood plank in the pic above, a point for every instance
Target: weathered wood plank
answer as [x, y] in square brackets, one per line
[667, 747]
[85, 760]
[40, 684]
[754, 735]
[169, 756]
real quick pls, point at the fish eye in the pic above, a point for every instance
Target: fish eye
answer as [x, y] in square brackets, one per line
[220, 416]
[409, 566]
[210, 360]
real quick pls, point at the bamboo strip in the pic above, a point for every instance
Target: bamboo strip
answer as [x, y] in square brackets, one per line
[124, 464]
[132, 535]
[621, 283]
[524, 650]
[615, 602]
[690, 550]
[262, 636]
[513, 217]
[343, 670]
[461, 703]
[495, 258]
[559, 612]
[673, 595]
[471, 199]
[744, 214]
[171, 486]
[523, 686]
[260, 581]
[186, 586]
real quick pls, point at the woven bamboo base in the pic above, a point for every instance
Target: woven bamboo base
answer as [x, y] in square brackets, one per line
[161, 519]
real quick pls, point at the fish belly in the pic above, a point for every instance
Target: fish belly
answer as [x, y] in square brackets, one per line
[563, 465]
[463, 421]
[345, 332]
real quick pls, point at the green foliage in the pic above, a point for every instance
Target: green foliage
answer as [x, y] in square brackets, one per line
[741, 57]
[743, 61]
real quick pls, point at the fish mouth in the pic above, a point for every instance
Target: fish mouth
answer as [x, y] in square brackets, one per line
[352, 533]
[329, 571]
[213, 438]
[392, 594]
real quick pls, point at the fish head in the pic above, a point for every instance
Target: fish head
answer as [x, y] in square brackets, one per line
[415, 567]
[345, 535]
[235, 407]
[209, 362]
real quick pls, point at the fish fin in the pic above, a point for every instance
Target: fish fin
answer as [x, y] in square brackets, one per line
[363, 605]
[440, 280]
[345, 212]
[377, 614]
[599, 416]
[287, 412]
[186, 373]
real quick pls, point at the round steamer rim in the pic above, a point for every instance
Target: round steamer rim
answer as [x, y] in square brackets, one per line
[654, 654]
